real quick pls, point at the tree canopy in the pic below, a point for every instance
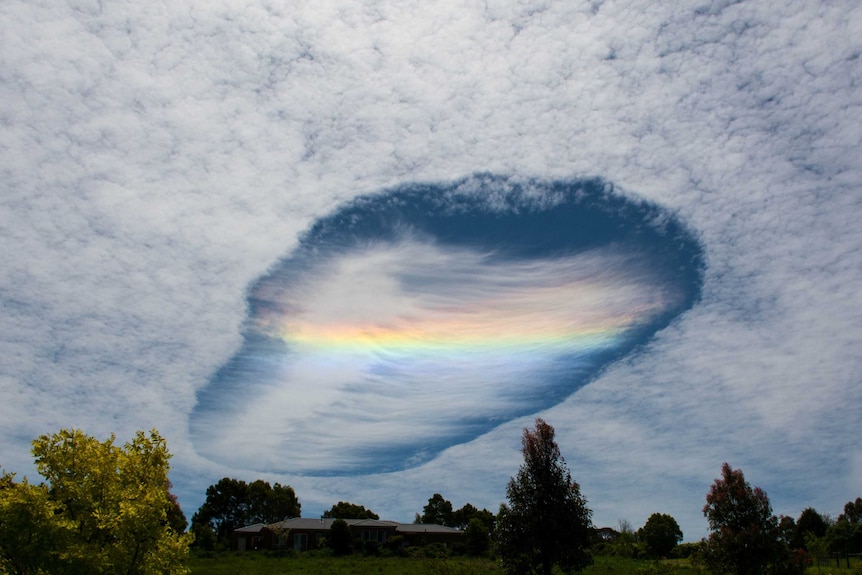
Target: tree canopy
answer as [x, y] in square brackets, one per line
[546, 521]
[660, 534]
[744, 536]
[439, 511]
[845, 535]
[104, 509]
[345, 510]
[233, 503]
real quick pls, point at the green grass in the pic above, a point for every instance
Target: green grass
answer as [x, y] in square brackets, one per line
[306, 563]
[258, 563]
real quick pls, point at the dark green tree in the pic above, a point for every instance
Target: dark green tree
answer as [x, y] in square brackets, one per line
[810, 524]
[546, 521]
[787, 528]
[461, 518]
[477, 537]
[345, 510]
[225, 508]
[175, 517]
[660, 534]
[339, 537]
[744, 537]
[232, 503]
[852, 511]
[438, 511]
[845, 535]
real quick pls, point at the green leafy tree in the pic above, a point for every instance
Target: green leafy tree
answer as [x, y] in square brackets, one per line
[233, 503]
[853, 511]
[461, 518]
[438, 511]
[810, 524]
[103, 510]
[845, 535]
[787, 528]
[744, 537]
[175, 517]
[477, 537]
[625, 544]
[546, 521]
[660, 534]
[339, 537]
[224, 509]
[269, 504]
[345, 510]
[31, 530]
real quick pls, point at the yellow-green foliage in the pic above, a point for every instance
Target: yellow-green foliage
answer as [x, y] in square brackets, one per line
[102, 511]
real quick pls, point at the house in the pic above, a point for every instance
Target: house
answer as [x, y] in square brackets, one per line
[250, 538]
[301, 534]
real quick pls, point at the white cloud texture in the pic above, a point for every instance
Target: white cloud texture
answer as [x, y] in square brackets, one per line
[157, 159]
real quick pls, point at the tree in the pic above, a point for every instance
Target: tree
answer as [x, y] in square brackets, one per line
[224, 509]
[103, 510]
[744, 536]
[477, 537]
[546, 521]
[660, 534]
[232, 503]
[29, 529]
[345, 510]
[339, 537]
[845, 535]
[175, 516]
[461, 518]
[810, 524]
[438, 511]
[269, 504]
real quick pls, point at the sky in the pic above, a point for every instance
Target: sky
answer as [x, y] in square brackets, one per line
[358, 247]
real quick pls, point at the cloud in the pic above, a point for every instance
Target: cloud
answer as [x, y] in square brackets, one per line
[158, 161]
[412, 321]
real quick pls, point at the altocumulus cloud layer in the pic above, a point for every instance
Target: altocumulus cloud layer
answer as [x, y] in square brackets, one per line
[168, 172]
[424, 317]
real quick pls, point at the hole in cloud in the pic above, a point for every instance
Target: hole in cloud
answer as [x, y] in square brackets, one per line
[424, 316]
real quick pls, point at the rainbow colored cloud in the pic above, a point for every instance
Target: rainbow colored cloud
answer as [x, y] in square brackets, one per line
[422, 317]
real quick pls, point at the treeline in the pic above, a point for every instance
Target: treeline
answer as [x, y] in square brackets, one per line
[108, 509]
[546, 512]
[233, 503]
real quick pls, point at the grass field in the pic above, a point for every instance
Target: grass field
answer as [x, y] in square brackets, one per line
[261, 564]
[314, 564]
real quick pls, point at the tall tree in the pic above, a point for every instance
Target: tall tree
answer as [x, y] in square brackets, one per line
[224, 509]
[810, 524]
[744, 537]
[339, 539]
[546, 521]
[461, 518]
[845, 535]
[660, 534]
[345, 510]
[439, 511]
[233, 503]
[477, 537]
[103, 510]
[269, 504]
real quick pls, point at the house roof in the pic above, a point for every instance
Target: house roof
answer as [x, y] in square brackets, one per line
[324, 524]
[256, 528]
[425, 528]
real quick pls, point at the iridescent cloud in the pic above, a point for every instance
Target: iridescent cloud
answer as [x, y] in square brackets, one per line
[422, 317]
